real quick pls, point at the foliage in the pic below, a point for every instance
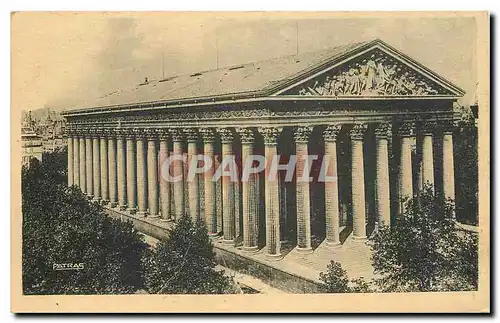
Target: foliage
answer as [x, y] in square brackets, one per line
[466, 171]
[335, 280]
[61, 226]
[184, 263]
[423, 250]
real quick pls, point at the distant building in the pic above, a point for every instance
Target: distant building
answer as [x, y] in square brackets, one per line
[31, 145]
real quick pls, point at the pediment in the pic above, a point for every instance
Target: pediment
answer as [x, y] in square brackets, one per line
[376, 72]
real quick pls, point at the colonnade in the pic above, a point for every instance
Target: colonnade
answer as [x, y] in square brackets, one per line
[121, 168]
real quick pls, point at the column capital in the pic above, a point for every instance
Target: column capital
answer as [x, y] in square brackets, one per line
[331, 132]
[151, 134]
[177, 134]
[191, 134]
[93, 133]
[226, 135]
[447, 126]
[383, 130]
[163, 134]
[139, 133]
[270, 134]
[302, 133]
[208, 134]
[247, 135]
[101, 133]
[119, 132]
[429, 127]
[406, 129]
[358, 131]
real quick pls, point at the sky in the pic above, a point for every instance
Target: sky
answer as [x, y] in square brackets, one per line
[65, 59]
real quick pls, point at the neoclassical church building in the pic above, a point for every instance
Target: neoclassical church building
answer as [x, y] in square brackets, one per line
[383, 120]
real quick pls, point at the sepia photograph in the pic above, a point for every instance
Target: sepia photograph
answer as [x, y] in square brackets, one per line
[180, 161]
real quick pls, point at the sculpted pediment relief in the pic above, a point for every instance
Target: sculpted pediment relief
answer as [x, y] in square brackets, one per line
[374, 73]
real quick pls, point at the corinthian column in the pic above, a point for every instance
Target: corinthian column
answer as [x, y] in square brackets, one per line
[448, 162]
[104, 166]
[209, 184]
[89, 165]
[112, 169]
[301, 136]
[152, 174]
[228, 216]
[273, 244]
[249, 192]
[178, 171]
[76, 158]
[131, 173]
[427, 154]
[96, 166]
[358, 182]
[69, 134]
[193, 193]
[406, 131]
[141, 172]
[83, 161]
[166, 212]
[382, 134]
[121, 168]
[332, 212]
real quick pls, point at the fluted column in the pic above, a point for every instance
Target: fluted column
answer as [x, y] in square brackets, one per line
[249, 193]
[301, 136]
[152, 160]
[104, 166]
[382, 196]
[141, 172]
[131, 173]
[76, 159]
[121, 167]
[358, 182]
[193, 193]
[112, 169]
[448, 162]
[69, 139]
[178, 171]
[427, 154]
[166, 212]
[332, 211]
[96, 165]
[83, 161]
[273, 243]
[228, 217]
[406, 131]
[209, 184]
[89, 164]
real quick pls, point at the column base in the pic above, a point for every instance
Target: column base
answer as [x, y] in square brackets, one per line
[274, 257]
[113, 204]
[141, 214]
[131, 210]
[359, 238]
[153, 216]
[228, 242]
[97, 200]
[213, 234]
[105, 202]
[166, 220]
[90, 197]
[306, 250]
[122, 207]
[334, 244]
[252, 249]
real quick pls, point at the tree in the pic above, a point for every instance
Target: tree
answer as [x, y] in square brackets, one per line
[335, 280]
[61, 226]
[466, 164]
[423, 250]
[184, 263]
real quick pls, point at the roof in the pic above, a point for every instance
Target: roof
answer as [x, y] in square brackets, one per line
[237, 79]
[257, 79]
